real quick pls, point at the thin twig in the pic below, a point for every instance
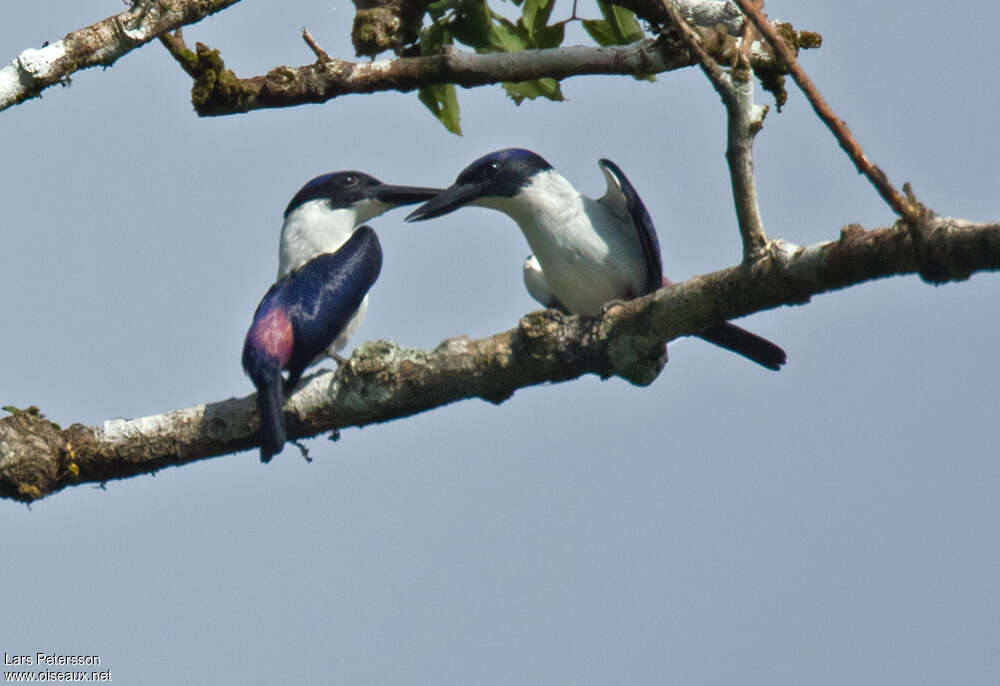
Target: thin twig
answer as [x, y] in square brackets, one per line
[905, 209]
[708, 64]
[321, 54]
[748, 36]
[175, 45]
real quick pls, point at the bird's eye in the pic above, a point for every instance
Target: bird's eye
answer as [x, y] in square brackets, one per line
[493, 168]
[350, 180]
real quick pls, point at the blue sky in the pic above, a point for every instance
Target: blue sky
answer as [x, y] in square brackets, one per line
[827, 524]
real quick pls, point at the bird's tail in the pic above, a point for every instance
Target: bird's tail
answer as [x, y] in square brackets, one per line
[742, 342]
[272, 418]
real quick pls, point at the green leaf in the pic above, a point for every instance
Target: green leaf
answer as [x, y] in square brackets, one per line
[471, 24]
[439, 8]
[506, 36]
[623, 21]
[432, 38]
[550, 89]
[530, 11]
[519, 91]
[441, 100]
[619, 26]
[545, 88]
[551, 36]
[600, 31]
[535, 15]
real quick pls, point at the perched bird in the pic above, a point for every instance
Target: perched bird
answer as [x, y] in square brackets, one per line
[586, 252]
[323, 215]
[325, 269]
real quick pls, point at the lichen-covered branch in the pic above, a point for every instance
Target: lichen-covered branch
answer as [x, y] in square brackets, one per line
[99, 44]
[218, 91]
[383, 381]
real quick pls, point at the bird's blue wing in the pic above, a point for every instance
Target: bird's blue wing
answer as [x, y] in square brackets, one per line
[322, 295]
[620, 191]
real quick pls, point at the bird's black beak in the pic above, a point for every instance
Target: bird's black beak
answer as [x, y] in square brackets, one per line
[403, 195]
[446, 201]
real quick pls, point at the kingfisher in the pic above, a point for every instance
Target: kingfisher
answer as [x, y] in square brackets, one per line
[585, 252]
[326, 267]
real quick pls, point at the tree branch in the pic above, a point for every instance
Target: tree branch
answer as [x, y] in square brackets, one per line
[321, 54]
[383, 381]
[218, 91]
[100, 44]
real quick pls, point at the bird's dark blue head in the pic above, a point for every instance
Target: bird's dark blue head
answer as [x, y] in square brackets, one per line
[500, 174]
[345, 189]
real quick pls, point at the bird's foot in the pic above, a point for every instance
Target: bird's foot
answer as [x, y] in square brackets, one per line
[302, 449]
[611, 304]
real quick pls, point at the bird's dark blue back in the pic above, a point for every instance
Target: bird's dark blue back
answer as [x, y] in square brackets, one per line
[321, 296]
[317, 300]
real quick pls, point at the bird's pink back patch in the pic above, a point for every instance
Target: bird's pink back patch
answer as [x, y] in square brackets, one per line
[272, 335]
